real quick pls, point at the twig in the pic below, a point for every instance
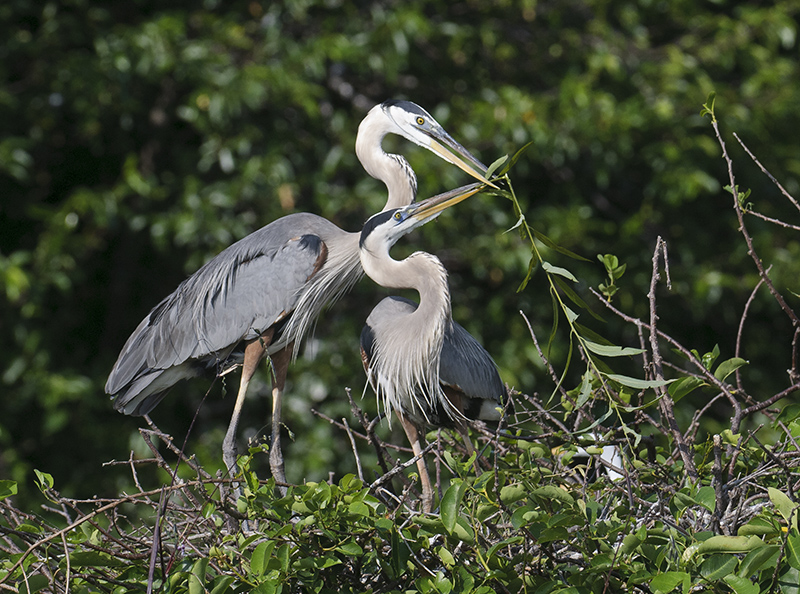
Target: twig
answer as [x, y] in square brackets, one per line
[719, 493]
[770, 401]
[665, 400]
[768, 174]
[738, 349]
[400, 467]
[355, 450]
[749, 240]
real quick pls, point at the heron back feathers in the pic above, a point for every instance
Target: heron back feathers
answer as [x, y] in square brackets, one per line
[235, 296]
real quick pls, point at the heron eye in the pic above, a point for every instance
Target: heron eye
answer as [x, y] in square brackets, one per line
[398, 216]
[420, 120]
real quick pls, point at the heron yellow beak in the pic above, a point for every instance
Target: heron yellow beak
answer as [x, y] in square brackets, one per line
[431, 208]
[453, 152]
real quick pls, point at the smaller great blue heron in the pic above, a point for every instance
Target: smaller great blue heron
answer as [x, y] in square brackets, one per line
[261, 295]
[421, 364]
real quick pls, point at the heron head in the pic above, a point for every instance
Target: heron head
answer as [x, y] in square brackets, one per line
[417, 125]
[390, 225]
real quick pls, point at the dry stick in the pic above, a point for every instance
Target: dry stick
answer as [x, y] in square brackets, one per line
[777, 222]
[749, 240]
[694, 426]
[369, 427]
[719, 492]
[553, 375]
[401, 467]
[768, 174]
[665, 401]
[355, 450]
[550, 369]
[770, 401]
[741, 329]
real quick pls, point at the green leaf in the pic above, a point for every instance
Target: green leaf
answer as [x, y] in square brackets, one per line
[451, 501]
[789, 581]
[729, 544]
[516, 225]
[7, 488]
[551, 493]
[728, 367]
[758, 526]
[351, 549]
[554, 246]
[741, 585]
[223, 583]
[574, 297]
[708, 106]
[94, 559]
[789, 412]
[684, 386]
[707, 498]
[259, 560]
[559, 271]
[667, 581]
[463, 531]
[610, 350]
[283, 557]
[44, 480]
[197, 579]
[717, 567]
[494, 166]
[786, 507]
[586, 390]
[33, 583]
[636, 383]
[793, 550]
[513, 493]
[571, 315]
[513, 160]
[755, 560]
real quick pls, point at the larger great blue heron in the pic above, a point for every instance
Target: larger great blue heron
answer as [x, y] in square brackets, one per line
[421, 364]
[264, 292]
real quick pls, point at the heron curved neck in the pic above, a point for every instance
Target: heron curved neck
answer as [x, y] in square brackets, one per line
[393, 170]
[421, 272]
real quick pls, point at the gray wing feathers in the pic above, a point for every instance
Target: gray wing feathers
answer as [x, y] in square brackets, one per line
[236, 295]
[467, 366]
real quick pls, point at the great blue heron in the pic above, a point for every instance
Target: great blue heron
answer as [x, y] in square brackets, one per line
[263, 293]
[421, 364]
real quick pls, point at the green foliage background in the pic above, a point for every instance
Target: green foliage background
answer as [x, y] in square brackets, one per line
[139, 138]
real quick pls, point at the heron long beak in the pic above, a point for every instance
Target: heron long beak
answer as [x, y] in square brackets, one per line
[429, 209]
[450, 150]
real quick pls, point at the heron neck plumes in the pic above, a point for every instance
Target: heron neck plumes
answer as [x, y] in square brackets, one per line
[392, 170]
[408, 350]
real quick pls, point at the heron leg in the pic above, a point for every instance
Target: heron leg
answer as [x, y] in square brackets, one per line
[280, 365]
[253, 353]
[414, 438]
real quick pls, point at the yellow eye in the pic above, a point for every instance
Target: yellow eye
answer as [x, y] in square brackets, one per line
[397, 215]
[420, 120]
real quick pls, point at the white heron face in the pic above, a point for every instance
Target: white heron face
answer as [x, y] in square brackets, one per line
[418, 126]
[413, 122]
[390, 225]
